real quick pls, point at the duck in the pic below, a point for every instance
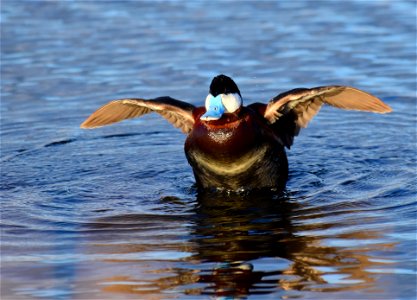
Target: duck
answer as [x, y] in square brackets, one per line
[233, 147]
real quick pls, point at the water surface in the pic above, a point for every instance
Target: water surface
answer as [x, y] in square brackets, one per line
[113, 213]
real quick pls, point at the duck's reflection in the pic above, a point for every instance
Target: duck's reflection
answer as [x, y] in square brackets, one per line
[236, 246]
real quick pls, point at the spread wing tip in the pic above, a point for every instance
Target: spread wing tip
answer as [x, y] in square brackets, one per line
[385, 109]
[375, 106]
[86, 125]
[177, 112]
[96, 121]
[354, 99]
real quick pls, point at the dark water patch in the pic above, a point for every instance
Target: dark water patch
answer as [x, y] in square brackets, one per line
[123, 135]
[58, 143]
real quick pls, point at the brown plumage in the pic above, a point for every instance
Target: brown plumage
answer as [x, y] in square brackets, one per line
[243, 149]
[178, 113]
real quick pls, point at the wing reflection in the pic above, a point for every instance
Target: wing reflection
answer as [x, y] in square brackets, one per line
[232, 246]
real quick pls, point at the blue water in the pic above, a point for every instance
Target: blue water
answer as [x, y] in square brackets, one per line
[113, 213]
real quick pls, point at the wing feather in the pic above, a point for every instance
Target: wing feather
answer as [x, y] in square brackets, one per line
[299, 106]
[177, 112]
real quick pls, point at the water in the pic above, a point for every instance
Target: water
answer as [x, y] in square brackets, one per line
[113, 213]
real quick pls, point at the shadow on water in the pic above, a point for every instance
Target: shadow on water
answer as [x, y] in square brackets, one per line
[234, 246]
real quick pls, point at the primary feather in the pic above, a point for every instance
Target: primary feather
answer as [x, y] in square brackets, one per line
[177, 112]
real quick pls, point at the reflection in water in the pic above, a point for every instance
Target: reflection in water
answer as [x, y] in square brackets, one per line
[233, 245]
[354, 174]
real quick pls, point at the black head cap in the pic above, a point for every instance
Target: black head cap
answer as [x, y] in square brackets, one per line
[222, 84]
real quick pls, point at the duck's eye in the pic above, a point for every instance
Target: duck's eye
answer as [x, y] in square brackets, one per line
[231, 102]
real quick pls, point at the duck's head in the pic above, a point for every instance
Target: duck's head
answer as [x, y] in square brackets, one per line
[223, 98]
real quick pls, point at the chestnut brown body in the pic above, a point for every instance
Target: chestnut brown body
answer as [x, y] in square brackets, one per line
[236, 152]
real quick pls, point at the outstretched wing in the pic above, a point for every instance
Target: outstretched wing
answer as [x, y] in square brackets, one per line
[178, 113]
[290, 111]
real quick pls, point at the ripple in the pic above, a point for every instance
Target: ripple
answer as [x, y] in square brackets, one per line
[114, 212]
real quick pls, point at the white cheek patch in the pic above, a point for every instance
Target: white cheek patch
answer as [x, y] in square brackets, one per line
[231, 102]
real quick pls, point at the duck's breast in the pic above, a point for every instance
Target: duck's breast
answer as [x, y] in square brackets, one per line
[239, 155]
